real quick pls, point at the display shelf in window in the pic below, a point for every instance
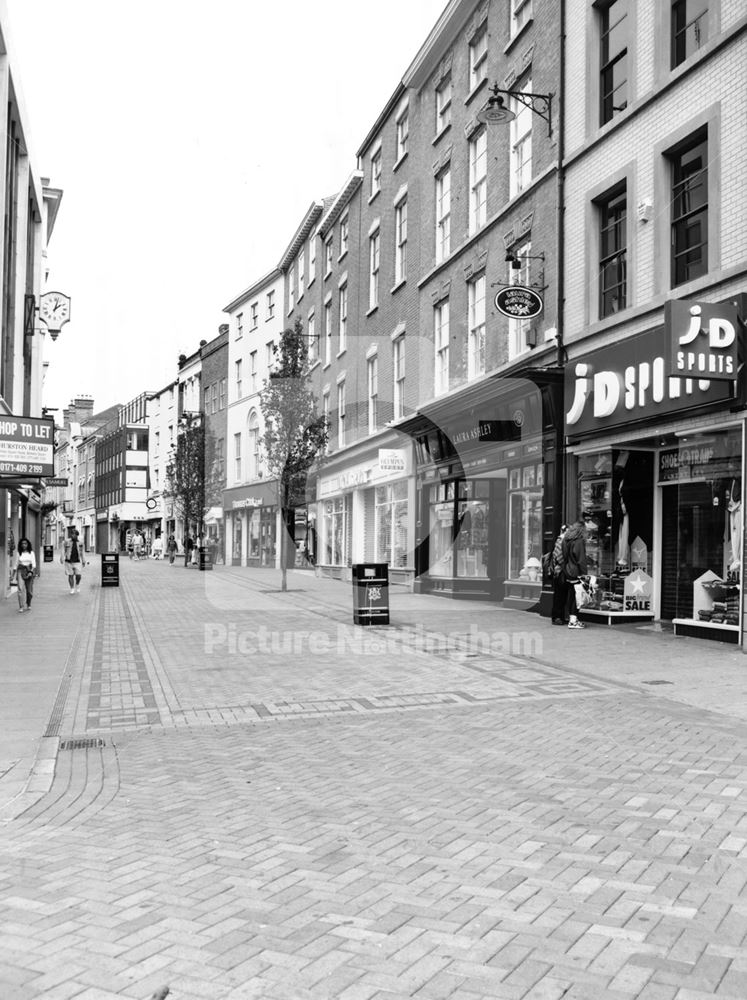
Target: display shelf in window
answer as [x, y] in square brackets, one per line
[716, 605]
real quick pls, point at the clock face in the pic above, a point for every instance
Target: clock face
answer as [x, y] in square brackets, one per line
[55, 309]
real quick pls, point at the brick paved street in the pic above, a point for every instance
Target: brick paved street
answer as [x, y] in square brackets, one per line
[319, 814]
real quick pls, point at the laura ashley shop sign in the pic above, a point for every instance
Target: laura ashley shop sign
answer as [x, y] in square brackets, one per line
[629, 380]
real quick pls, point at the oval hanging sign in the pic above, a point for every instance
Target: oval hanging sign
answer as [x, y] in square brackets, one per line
[519, 302]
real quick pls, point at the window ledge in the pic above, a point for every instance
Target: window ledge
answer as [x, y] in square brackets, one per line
[325, 366]
[311, 281]
[398, 285]
[327, 274]
[476, 90]
[372, 310]
[398, 163]
[313, 365]
[374, 196]
[340, 353]
[342, 256]
[519, 34]
[439, 135]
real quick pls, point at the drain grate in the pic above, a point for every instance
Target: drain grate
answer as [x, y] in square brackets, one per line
[91, 744]
[658, 682]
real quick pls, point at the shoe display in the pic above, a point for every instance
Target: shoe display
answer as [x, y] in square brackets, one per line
[576, 624]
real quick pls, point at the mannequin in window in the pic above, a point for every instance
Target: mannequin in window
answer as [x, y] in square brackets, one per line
[623, 536]
[734, 509]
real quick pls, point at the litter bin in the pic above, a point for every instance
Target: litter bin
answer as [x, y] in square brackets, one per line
[370, 594]
[206, 559]
[49, 553]
[110, 569]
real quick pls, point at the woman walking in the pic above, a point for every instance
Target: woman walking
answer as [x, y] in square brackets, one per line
[171, 548]
[25, 573]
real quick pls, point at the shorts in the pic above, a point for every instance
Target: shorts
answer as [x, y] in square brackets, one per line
[73, 569]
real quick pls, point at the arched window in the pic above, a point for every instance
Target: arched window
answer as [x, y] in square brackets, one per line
[255, 447]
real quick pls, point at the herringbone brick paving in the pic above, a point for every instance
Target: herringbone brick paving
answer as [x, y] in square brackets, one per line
[546, 837]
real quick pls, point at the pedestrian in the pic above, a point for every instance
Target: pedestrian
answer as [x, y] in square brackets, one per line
[25, 569]
[73, 560]
[559, 591]
[172, 548]
[189, 558]
[574, 567]
[137, 545]
[157, 547]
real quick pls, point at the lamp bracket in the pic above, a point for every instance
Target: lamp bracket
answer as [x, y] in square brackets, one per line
[540, 104]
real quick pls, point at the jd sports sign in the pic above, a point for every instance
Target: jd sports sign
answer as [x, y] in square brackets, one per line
[628, 381]
[703, 339]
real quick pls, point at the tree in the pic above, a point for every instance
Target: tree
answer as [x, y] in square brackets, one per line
[295, 434]
[191, 473]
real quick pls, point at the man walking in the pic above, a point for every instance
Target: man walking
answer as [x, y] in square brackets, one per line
[74, 561]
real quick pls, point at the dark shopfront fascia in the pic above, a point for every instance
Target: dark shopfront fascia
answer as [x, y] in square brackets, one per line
[655, 472]
[489, 481]
[250, 514]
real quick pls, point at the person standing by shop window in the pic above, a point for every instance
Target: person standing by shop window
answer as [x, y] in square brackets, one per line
[559, 591]
[25, 569]
[574, 567]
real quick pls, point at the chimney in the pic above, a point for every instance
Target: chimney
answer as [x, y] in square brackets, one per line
[223, 328]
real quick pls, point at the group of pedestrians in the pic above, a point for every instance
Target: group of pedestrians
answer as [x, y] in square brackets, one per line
[24, 569]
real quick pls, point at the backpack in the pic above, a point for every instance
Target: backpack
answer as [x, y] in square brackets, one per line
[556, 559]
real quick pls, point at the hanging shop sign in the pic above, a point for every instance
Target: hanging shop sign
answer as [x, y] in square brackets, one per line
[519, 302]
[26, 446]
[628, 381]
[56, 481]
[703, 339]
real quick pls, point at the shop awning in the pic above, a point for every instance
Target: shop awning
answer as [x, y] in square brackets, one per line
[214, 514]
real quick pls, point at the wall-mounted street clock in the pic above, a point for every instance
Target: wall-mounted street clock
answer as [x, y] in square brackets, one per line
[54, 309]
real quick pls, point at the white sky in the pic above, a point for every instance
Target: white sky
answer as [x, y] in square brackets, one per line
[189, 139]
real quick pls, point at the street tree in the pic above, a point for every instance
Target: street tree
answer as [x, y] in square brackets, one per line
[295, 434]
[191, 474]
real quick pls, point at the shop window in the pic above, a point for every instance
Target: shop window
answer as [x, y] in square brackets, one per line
[458, 523]
[237, 539]
[391, 524]
[254, 522]
[615, 502]
[525, 522]
[701, 545]
[336, 530]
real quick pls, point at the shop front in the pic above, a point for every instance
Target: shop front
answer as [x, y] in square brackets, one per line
[250, 515]
[655, 472]
[487, 479]
[365, 510]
